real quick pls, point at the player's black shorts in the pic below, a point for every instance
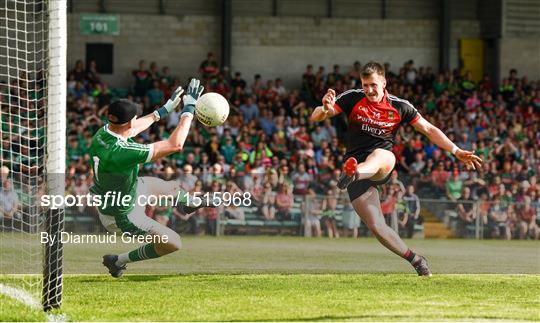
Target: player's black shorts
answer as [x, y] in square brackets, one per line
[357, 188]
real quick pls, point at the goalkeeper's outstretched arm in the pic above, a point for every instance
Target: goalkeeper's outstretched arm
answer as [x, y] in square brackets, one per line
[141, 124]
[175, 142]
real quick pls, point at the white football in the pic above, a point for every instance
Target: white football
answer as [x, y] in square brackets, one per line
[212, 109]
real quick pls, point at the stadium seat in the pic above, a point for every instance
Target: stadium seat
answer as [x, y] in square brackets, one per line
[235, 222]
[258, 223]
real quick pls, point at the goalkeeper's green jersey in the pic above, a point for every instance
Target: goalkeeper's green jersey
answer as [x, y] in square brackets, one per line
[115, 161]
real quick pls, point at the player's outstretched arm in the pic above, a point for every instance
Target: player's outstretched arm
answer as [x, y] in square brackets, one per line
[175, 142]
[438, 137]
[326, 110]
[141, 124]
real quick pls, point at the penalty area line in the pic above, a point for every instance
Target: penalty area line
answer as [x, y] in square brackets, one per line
[27, 299]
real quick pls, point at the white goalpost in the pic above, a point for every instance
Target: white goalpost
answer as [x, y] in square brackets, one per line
[56, 149]
[33, 49]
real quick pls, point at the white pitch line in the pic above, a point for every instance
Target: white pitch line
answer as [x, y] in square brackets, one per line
[27, 299]
[20, 295]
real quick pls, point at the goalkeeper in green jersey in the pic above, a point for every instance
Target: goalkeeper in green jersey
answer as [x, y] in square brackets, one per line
[115, 159]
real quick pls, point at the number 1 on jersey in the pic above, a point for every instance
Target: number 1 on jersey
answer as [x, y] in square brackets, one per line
[96, 166]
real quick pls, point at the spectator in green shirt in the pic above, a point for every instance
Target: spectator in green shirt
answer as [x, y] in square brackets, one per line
[468, 84]
[454, 186]
[228, 150]
[75, 151]
[440, 85]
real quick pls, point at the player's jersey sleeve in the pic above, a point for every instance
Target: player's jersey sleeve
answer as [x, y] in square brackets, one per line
[130, 153]
[346, 101]
[407, 111]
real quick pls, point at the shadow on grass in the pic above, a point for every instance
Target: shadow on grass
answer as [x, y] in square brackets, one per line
[126, 278]
[142, 278]
[377, 317]
[333, 318]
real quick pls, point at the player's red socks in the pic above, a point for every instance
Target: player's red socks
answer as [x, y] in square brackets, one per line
[409, 255]
[349, 168]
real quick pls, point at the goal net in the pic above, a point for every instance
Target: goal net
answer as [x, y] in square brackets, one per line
[32, 98]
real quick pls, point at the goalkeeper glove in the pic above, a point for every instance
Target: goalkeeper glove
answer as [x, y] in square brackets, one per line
[170, 105]
[193, 93]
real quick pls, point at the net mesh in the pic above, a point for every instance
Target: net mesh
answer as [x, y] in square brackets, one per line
[28, 93]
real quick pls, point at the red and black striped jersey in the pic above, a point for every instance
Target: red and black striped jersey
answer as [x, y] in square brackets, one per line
[373, 125]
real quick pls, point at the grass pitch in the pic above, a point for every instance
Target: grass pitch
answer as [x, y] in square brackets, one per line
[297, 279]
[300, 297]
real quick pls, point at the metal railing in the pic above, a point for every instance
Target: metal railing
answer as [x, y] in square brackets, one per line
[482, 219]
[463, 218]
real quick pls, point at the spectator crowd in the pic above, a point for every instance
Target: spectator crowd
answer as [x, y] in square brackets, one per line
[271, 148]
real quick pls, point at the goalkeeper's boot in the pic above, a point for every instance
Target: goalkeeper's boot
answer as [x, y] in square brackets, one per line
[348, 174]
[109, 261]
[421, 267]
[206, 202]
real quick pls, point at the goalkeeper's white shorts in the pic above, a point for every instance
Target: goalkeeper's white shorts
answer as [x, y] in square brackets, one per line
[137, 222]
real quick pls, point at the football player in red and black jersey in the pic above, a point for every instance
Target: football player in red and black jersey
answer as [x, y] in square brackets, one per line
[374, 117]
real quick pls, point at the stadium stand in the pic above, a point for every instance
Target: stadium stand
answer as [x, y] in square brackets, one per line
[269, 138]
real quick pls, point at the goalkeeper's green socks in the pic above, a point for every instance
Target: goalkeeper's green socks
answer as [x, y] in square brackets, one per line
[148, 251]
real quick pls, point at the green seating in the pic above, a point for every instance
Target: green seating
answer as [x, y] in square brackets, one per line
[290, 223]
[235, 222]
[272, 223]
[257, 223]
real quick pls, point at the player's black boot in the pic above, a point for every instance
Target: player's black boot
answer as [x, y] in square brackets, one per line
[109, 261]
[348, 174]
[421, 267]
[344, 181]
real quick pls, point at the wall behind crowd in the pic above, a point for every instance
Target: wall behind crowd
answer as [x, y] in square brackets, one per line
[280, 36]
[175, 42]
[278, 44]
